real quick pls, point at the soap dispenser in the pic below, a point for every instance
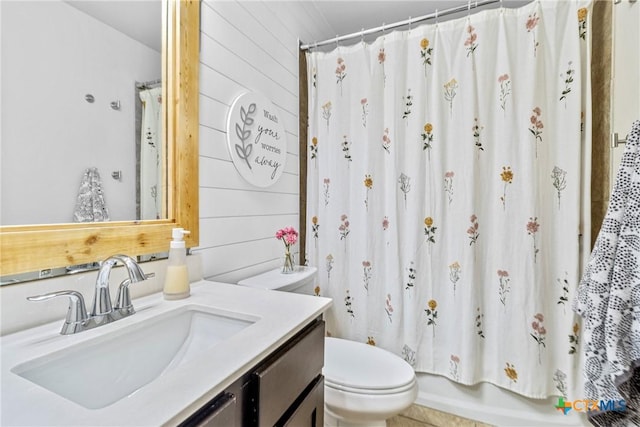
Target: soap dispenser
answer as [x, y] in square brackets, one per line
[176, 282]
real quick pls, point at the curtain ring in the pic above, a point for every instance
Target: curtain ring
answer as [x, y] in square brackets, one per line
[409, 23]
[337, 45]
[436, 16]
[362, 35]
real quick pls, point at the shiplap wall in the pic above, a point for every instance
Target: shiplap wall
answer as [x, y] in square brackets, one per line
[246, 46]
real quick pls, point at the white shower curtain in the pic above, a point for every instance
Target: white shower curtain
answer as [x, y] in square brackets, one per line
[446, 190]
[151, 154]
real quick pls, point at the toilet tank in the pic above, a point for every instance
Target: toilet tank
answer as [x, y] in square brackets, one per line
[300, 281]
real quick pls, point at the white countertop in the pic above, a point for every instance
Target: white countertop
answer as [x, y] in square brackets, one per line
[172, 397]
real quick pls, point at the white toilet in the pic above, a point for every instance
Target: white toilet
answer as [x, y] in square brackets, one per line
[364, 385]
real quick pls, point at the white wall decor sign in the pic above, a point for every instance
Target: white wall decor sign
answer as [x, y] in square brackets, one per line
[256, 139]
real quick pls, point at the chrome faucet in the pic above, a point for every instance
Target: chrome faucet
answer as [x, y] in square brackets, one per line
[102, 311]
[101, 299]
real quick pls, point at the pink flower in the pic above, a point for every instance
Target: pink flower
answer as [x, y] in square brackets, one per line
[291, 239]
[503, 78]
[343, 217]
[288, 235]
[449, 174]
[327, 181]
[539, 317]
[366, 264]
[532, 22]
[542, 331]
[473, 218]
[537, 110]
[455, 359]
[503, 273]
[381, 56]
[532, 227]
[363, 101]
[291, 230]
[385, 223]
[535, 326]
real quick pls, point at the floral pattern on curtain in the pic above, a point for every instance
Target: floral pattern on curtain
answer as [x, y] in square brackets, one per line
[446, 186]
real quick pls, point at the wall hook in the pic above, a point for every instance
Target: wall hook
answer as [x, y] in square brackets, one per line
[89, 98]
[615, 141]
[117, 175]
[115, 105]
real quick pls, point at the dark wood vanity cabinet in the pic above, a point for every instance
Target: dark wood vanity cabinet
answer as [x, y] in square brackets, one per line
[285, 389]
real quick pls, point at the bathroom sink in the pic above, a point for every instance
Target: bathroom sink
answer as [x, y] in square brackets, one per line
[99, 372]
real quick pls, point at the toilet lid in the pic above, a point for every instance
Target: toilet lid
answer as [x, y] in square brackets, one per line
[361, 366]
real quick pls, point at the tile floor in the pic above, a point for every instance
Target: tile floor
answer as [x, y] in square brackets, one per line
[420, 416]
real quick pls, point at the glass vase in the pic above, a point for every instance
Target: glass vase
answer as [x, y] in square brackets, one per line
[288, 266]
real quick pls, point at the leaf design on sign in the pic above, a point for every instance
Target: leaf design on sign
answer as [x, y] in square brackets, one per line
[244, 150]
[242, 134]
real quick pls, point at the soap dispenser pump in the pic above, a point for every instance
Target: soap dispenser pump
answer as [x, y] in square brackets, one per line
[176, 283]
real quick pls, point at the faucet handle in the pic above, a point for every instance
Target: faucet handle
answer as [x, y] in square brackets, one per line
[123, 298]
[76, 314]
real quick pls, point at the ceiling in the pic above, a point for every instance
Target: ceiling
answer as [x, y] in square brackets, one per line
[140, 19]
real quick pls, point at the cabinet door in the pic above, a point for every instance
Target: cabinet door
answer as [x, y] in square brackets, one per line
[282, 380]
[310, 412]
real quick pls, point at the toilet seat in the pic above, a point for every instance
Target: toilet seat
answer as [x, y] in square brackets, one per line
[361, 368]
[356, 390]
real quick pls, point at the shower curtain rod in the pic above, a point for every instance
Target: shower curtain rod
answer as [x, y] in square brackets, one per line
[470, 5]
[150, 83]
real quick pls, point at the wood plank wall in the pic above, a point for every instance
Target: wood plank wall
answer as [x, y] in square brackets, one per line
[246, 46]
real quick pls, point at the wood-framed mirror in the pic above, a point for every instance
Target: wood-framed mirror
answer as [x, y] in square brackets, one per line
[25, 248]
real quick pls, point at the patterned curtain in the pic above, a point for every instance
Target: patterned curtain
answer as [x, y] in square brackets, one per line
[151, 154]
[447, 191]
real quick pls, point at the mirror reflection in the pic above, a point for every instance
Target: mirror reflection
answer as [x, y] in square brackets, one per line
[81, 131]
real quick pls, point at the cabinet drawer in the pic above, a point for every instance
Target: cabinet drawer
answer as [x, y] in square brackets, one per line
[220, 413]
[283, 379]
